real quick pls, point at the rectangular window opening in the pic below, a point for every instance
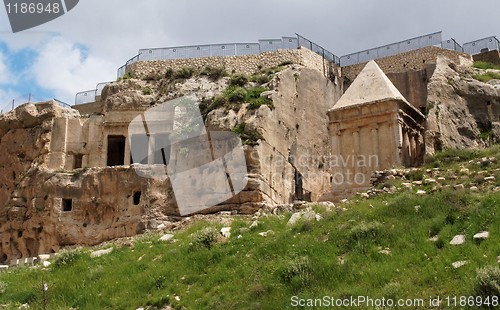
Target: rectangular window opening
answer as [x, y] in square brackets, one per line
[116, 151]
[67, 205]
[78, 161]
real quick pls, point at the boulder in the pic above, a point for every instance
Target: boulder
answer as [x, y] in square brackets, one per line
[458, 240]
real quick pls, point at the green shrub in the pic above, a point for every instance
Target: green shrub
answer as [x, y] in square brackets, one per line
[169, 73]
[256, 103]
[485, 65]
[213, 73]
[3, 287]
[415, 175]
[365, 231]
[206, 237]
[488, 282]
[260, 79]
[238, 80]
[254, 92]
[219, 101]
[128, 75]
[248, 137]
[146, 90]
[67, 258]
[239, 128]
[286, 63]
[184, 73]
[236, 95]
[297, 272]
[487, 76]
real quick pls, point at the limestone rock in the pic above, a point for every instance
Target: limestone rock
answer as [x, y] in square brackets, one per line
[266, 233]
[100, 253]
[226, 232]
[459, 264]
[458, 240]
[307, 215]
[167, 237]
[482, 236]
[458, 108]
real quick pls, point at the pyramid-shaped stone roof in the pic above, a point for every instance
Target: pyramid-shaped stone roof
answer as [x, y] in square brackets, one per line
[371, 85]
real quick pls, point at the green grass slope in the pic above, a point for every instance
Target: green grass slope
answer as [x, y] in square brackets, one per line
[377, 247]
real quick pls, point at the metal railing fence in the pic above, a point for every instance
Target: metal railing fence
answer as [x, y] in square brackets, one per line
[318, 49]
[391, 49]
[15, 103]
[229, 49]
[89, 96]
[482, 45]
[452, 44]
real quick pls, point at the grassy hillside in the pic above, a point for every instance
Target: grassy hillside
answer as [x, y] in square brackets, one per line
[377, 247]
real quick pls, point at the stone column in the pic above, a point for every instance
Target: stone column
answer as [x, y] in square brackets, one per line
[413, 147]
[376, 146]
[127, 155]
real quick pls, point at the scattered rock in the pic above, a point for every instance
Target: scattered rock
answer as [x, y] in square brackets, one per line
[459, 264]
[266, 233]
[407, 185]
[429, 181]
[294, 218]
[161, 227]
[3, 267]
[417, 208]
[434, 239]
[465, 171]
[417, 182]
[421, 192]
[385, 251]
[254, 224]
[341, 260]
[489, 179]
[326, 204]
[482, 235]
[474, 189]
[167, 237]
[498, 259]
[364, 195]
[226, 232]
[101, 252]
[46, 264]
[441, 179]
[458, 240]
[459, 186]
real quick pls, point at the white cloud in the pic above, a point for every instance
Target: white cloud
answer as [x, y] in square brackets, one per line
[62, 68]
[114, 31]
[5, 74]
[6, 97]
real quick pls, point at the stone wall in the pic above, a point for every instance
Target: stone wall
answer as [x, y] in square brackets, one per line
[412, 85]
[412, 60]
[247, 64]
[491, 57]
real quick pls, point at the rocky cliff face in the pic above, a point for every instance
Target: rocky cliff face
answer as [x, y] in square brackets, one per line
[43, 208]
[462, 112]
[287, 163]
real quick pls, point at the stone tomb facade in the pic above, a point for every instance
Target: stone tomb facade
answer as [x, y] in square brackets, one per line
[372, 127]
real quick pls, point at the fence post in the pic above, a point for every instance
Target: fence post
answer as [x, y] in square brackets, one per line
[13, 104]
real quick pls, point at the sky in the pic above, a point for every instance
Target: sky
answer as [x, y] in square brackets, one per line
[86, 45]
